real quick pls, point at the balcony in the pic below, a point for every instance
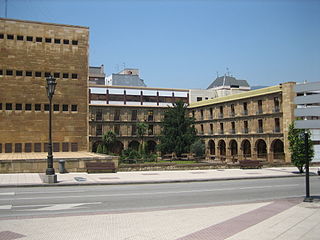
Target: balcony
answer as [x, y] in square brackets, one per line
[245, 112]
[276, 109]
[276, 130]
[232, 114]
[221, 131]
[232, 131]
[220, 115]
[245, 130]
[260, 111]
[260, 130]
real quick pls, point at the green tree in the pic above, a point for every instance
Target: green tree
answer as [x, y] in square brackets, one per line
[297, 147]
[198, 148]
[178, 132]
[141, 132]
[109, 138]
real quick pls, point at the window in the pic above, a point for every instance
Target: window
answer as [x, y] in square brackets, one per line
[0, 147]
[276, 125]
[260, 126]
[28, 107]
[28, 73]
[38, 74]
[18, 106]
[99, 130]
[8, 106]
[18, 73]
[232, 112]
[117, 129]
[56, 147]
[56, 75]
[233, 127]
[27, 147]
[47, 74]
[116, 115]
[245, 108]
[134, 129]
[56, 107]
[9, 72]
[193, 114]
[276, 103]
[201, 129]
[259, 107]
[8, 148]
[99, 115]
[0, 106]
[150, 129]
[37, 147]
[45, 147]
[37, 107]
[134, 114]
[20, 38]
[57, 41]
[74, 108]
[10, 36]
[74, 147]
[65, 107]
[211, 113]
[150, 115]
[38, 39]
[65, 75]
[46, 107]
[74, 42]
[49, 40]
[221, 128]
[201, 114]
[211, 128]
[65, 147]
[74, 76]
[18, 147]
[1, 35]
[65, 41]
[221, 112]
[1, 72]
[245, 127]
[29, 38]
[199, 99]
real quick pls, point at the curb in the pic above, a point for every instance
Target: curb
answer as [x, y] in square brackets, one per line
[146, 182]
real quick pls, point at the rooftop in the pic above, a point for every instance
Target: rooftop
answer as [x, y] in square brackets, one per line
[228, 81]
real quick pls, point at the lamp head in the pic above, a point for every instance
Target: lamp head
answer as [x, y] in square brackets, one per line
[51, 86]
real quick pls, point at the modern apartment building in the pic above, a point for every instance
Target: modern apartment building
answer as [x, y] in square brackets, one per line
[31, 51]
[249, 125]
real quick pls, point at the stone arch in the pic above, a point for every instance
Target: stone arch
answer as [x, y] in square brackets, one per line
[211, 147]
[222, 147]
[151, 146]
[134, 145]
[246, 148]
[261, 148]
[95, 145]
[117, 147]
[233, 145]
[278, 149]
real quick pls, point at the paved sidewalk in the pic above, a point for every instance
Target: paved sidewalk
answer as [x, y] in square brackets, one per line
[277, 220]
[35, 179]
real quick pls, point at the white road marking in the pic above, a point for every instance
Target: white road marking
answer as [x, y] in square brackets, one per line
[6, 193]
[5, 207]
[57, 207]
[51, 192]
[154, 193]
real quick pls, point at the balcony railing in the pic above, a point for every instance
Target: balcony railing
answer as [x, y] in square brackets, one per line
[232, 114]
[260, 111]
[232, 131]
[276, 109]
[276, 130]
[260, 130]
[220, 115]
[221, 131]
[245, 112]
[245, 130]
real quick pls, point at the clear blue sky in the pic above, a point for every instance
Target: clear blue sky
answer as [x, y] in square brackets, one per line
[184, 43]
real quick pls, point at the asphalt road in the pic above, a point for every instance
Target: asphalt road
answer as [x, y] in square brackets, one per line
[47, 201]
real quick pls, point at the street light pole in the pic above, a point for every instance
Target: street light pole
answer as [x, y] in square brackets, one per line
[50, 176]
[306, 145]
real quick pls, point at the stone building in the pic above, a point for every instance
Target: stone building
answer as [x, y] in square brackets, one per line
[97, 75]
[120, 108]
[30, 51]
[249, 125]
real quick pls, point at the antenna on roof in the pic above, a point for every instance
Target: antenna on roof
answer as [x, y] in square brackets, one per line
[217, 74]
[228, 73]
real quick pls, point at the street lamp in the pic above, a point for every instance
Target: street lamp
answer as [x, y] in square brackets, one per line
[50, 176]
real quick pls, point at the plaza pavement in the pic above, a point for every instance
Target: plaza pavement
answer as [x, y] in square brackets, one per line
[82, 178]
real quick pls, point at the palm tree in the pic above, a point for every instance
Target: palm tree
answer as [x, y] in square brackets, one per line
[109, 139]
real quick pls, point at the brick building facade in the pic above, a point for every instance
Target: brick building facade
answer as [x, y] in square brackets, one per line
[30, 51]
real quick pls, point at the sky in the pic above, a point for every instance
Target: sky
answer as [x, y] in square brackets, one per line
[188, 43]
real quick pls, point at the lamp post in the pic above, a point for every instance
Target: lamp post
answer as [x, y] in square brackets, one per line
[50, 176]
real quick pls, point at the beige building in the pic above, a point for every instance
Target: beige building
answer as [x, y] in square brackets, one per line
[249, 125]
[30, 51]
[120, 108]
